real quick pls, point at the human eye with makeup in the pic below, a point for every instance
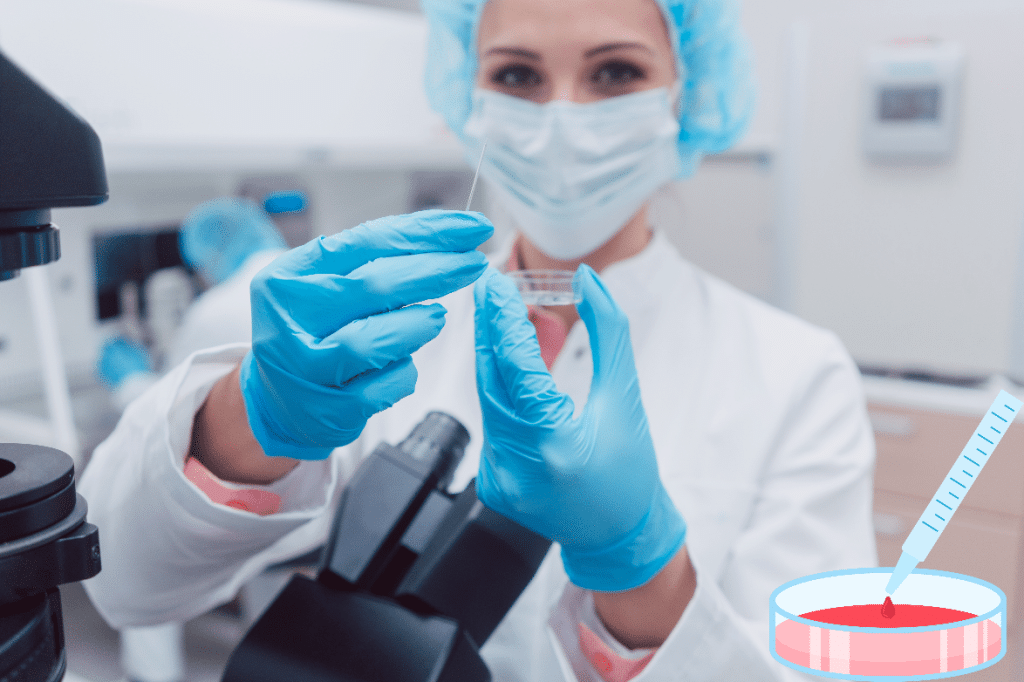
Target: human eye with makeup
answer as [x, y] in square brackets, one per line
[516, 79]
[618, 76]
[593, 74]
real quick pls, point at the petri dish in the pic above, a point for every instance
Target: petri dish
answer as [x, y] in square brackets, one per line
[546, 287]
[893, 653]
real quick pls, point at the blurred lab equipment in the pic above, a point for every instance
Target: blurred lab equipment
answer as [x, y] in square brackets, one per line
[225, 240]
[912, 109]
[49, 157]
[277, 203]
[130, 361]
[168, 292]
[412, 582]
[123, 261]
[566, 469]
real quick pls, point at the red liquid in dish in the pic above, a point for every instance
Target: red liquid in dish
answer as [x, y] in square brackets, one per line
[888, 616]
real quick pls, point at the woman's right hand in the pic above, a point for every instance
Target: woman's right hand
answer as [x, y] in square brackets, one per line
[335, 322]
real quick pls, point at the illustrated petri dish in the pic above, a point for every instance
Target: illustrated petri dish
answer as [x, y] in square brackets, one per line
[923, 652]
[546, 287]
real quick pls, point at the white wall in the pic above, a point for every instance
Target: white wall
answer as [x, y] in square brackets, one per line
[913, 265]
[270, 81]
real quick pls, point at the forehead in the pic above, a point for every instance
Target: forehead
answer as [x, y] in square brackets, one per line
[525, 22]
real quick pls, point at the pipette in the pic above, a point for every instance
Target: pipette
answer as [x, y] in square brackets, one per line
[476, 176]
[958, 481]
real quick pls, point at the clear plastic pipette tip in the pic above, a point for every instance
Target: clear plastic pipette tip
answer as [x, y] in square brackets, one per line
[476, 176]
[904, 566]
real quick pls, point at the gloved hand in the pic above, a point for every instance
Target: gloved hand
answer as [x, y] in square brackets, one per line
[333, 325]
[119, 360]
[590, 483]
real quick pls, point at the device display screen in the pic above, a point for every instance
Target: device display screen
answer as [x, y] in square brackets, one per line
[130, 256]
[909, 103]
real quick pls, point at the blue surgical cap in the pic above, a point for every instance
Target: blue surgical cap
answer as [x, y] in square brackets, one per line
[218, 236]
[717, 97]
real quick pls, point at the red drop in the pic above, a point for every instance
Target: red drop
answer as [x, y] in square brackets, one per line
[888, 610]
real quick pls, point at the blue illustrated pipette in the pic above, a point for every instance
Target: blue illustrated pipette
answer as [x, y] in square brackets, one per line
[958, 481]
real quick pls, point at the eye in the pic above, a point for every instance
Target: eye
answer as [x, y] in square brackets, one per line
[617, 76]
[516, 77]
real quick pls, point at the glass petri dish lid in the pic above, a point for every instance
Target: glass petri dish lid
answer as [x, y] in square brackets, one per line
[546, 287]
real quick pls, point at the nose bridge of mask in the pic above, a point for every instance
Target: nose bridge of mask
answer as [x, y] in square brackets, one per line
[570, 150]
[563, 152]
[599, 143]
[619, 127]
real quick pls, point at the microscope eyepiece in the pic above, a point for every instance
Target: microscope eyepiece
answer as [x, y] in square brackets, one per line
[49, 158]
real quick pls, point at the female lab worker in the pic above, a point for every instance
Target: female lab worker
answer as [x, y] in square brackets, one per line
[723, 448]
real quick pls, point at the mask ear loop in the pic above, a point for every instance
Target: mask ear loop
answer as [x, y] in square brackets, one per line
[675, 97]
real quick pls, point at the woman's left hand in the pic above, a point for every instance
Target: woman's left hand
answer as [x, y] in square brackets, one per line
[590, 482]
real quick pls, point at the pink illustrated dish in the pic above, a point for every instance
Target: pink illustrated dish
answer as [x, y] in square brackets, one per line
[888, 653]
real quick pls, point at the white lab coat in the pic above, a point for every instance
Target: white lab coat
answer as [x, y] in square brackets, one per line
[758, 420]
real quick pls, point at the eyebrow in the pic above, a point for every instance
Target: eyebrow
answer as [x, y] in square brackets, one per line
[616, 46]
[529, 54]
[514, 52]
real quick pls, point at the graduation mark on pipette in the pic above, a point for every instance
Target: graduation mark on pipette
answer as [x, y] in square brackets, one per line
[954, 487]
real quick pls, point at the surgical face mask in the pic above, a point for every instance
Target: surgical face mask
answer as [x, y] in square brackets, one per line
[572, 174]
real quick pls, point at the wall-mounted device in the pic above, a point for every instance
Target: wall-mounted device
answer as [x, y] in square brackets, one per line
[912, 100]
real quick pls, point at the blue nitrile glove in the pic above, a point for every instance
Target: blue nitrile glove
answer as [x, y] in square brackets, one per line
[333, 325]
[119, 360]
[590, 483]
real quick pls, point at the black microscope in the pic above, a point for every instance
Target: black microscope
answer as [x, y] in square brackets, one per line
[412, 580]
[49, 158]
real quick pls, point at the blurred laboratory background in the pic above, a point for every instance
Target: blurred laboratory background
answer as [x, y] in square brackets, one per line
[878, 193]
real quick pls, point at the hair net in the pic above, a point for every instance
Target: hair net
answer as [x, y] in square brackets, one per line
[218, 236]
[711, 54]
